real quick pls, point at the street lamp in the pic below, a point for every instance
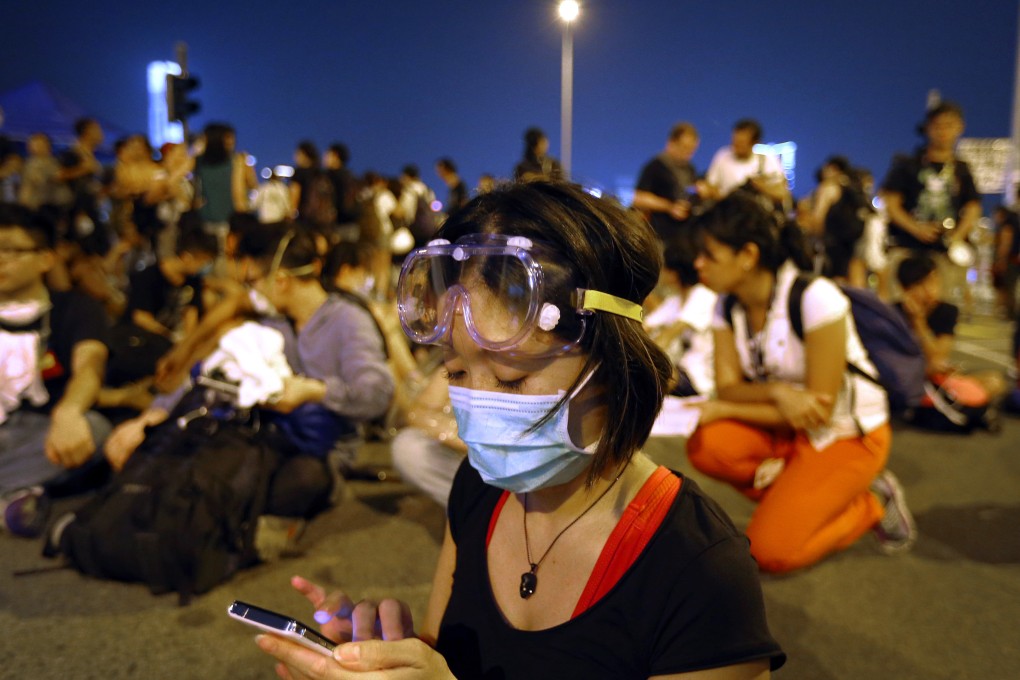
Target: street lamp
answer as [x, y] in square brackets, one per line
[569, 11]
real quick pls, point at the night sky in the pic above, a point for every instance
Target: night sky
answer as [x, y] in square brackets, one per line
[409, 81]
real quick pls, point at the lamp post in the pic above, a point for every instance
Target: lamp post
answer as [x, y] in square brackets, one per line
[569, 11]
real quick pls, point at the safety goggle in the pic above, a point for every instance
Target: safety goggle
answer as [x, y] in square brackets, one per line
[498, 286]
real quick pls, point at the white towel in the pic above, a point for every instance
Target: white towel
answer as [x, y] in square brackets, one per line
[251, 355]
[19, 372]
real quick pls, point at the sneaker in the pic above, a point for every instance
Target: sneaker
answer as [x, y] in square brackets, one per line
[896, 530]
[24, 512]
[277, 537]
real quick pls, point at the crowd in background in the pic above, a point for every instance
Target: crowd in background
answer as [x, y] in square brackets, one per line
[177, 246]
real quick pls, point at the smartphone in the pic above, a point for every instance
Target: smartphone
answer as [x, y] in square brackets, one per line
[278, 624]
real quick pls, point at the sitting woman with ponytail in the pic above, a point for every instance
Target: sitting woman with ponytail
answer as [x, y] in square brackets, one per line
[799, 425]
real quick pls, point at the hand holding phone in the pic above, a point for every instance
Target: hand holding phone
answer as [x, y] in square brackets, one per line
[278, 624]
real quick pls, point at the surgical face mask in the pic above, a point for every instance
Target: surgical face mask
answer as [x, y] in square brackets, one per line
[23, 312]
[495, 427]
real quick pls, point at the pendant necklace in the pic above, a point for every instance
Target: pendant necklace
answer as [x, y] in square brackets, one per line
[529, 579]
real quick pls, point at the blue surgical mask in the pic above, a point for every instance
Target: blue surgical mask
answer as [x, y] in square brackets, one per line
[494, 425]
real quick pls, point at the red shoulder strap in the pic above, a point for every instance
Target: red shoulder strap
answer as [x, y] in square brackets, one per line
[635, 529]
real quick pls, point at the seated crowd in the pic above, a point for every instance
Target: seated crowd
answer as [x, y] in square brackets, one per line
[120, 284]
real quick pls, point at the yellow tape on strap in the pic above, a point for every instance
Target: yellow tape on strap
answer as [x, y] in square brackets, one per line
[604, 302]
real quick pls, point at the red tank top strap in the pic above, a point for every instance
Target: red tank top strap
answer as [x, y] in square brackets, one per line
[635, 529]
[495, 516]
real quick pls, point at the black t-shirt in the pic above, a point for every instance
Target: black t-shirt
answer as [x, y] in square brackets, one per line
[458, 197]
[150, 291]
[304, 177]
[691, 600]
[343, 195]
[669, 180]
[930, 192]
[73, 318]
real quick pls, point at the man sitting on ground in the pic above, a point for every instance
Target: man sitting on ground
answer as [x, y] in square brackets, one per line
[52, 358]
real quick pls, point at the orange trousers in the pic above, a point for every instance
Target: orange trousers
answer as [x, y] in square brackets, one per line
[819, 503]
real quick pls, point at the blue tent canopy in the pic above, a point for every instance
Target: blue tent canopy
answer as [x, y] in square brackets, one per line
[38, 107]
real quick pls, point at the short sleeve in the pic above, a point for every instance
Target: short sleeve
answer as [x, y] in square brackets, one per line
[699, 310]
[719, 322]
[721, 622]
[899, 177]
[823, 304]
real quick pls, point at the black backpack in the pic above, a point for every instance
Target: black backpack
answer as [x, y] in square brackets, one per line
[181, 515]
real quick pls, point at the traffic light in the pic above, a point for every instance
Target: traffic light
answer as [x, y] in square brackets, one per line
[179, 102]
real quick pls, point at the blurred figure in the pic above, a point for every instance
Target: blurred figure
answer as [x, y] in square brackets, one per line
[682, 323]
[1006, 265]
[737, 165]
[415, 205]
[458, 194]
[223, 179]
[931, 199]
[668, 184]
[345, 191]
[840, 211]
[537, 163]
[40, 176]
[486, 183]
[52, 358]
[934, 323]
[311, 190]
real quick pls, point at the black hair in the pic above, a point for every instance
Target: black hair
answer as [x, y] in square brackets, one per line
[82, 124]
[532, 136]
[752, 126]
[943, 107]
[349, 253]
[197, 242]
[598, 245]
[738, 220]
[341, 151]
[446, 164]
[38, 228]
[216, 152]
[311, 153]
[411, 170]
[258, 240]
[914, 269]
[679, 254]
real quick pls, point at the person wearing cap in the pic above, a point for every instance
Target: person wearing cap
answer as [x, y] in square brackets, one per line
[568, 552]
[932, 201]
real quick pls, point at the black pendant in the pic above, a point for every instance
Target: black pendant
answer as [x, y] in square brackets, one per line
[529, 581]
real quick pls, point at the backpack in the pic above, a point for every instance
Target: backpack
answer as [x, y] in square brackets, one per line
[845, 220]
[319, 206]
[890, 344]
[181, 515]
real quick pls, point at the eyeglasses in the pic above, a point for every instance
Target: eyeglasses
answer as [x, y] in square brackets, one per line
[498, 286]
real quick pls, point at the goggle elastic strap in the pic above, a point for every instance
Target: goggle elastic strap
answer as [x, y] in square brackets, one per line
[593, 300]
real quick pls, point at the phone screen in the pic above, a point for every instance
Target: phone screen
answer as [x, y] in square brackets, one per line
[278, 624]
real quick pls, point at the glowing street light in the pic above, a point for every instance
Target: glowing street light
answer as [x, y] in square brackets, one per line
[569, 10]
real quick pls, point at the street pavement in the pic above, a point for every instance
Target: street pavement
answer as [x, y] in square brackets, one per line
[947, 610]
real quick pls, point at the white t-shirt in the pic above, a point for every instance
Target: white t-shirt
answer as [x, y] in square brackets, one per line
[727, 172]
[696, 311]
[861, 404]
